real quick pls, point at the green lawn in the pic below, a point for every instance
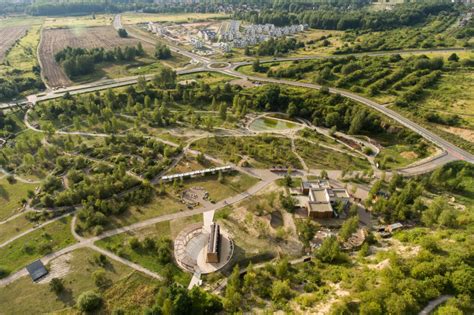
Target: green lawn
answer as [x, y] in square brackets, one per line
[18, 21]
[14, 227]
[453, 95]
[316, 137]
[119, 244]
[397, 156]
[319, 157]
[160, 205]
[210, 78]
[260, 151]
[32, 246]
[130, 290]
[11, 196]
[233, 184]
[78, 21]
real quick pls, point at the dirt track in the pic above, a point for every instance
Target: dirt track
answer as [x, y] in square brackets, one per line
[54, 40]
[8, 37]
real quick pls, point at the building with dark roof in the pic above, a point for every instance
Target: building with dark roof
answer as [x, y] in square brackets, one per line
[213, 245]
[36, 270]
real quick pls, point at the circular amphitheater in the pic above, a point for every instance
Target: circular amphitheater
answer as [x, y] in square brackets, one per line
[190, 249]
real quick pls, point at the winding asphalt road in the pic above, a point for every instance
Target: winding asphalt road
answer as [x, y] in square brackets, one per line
[452, 151]
[450, 148]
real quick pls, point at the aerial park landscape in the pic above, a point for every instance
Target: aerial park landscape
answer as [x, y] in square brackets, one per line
[199, 158]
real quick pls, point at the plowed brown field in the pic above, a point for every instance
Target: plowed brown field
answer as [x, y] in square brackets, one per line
[8, 36]
[55, 40]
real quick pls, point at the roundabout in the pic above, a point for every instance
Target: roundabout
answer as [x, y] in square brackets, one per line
[219, 65]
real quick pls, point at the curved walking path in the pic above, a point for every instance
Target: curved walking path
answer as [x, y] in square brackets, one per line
[32, 230]
[266, 176]
[13, 217]
[109, 254]
[434, 304]
[19, 178]
[452, 150]
[298, 156]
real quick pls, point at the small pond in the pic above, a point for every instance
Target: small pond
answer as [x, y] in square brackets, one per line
[269, 124]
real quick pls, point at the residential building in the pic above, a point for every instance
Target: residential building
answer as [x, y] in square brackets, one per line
[207, 35]
[197, 42]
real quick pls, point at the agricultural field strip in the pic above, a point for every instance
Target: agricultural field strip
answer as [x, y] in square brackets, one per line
[9, 36]
[54, 40]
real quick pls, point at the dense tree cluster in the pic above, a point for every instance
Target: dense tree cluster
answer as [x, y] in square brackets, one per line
[70, 7]
[402, 200]
[26, 155]
[409, 284]
[162, 51]
[406, 78]
[264, 149]
[13, 87]
[176, 300]
[277, 283]
[122, 32]
[7, 124]
[403, 15]
[142, 156]
[274, 47]
[329, 110]
[451, 177]
[77, 7]
[89, 301]
[436, 31]
[81, 61]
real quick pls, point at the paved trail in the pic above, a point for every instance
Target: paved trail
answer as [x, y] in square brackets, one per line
[266, 176]
[433, 304]
[451, 151]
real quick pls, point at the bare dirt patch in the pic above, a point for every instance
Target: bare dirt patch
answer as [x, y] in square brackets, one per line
[243, 83]
[55, 40]
[8, 36]
[409, 155]
[461, 132]
[325, 306]
[381, 265]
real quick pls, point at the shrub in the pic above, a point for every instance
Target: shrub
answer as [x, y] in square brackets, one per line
[89, 301]
[122, 32]
[56, 285]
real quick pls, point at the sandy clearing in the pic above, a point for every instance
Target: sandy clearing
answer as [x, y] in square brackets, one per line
[59, 267]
